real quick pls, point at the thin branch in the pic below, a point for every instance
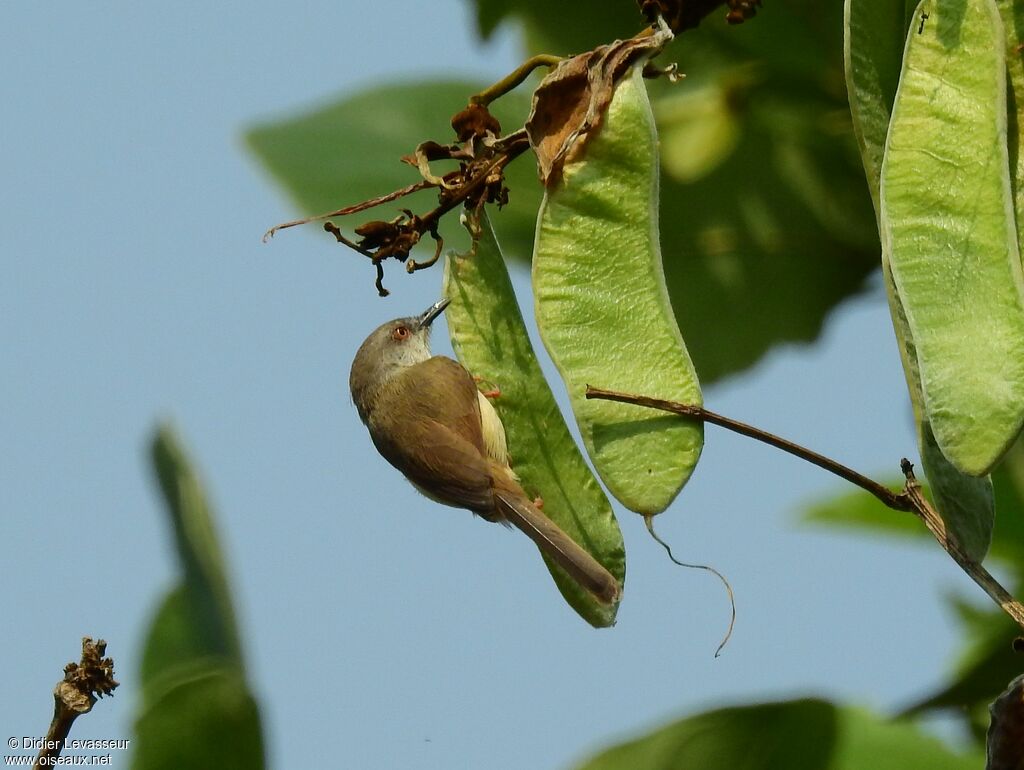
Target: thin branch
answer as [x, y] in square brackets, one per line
[353, 209]
[75, 695]
[924, 511]
[910, 499]
[510, 147]
[412, 265]
[892, 499]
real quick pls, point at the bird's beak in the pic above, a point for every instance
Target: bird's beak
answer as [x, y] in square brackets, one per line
[432, 312]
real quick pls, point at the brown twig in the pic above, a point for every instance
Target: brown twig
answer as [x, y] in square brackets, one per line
[353, 209]
[924, 511]
[75, 695]
[909, 499]
[886, 495]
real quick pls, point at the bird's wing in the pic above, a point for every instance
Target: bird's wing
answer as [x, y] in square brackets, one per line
[442, 464]
[445, 391]
[433, 408]
[465, 408]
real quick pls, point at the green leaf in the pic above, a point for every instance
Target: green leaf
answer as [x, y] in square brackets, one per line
[857, 509]
[205, 584]
[773, 736]
[562, 28]
[604, 313]
[988, 661]
[805, 734]
[175, 639]
[206, 718]
[948, 226]
[490, 339]
[349, 150]
[1008, 480]
[698, 129]
[779, 248]
[985, 667]
[196, 709]
[869, 742]
[861, 510]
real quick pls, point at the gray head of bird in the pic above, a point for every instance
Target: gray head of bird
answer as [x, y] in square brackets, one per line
[389, 349]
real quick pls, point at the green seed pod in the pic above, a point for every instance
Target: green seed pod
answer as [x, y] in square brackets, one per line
[603, 309]
[947, 224]
[490, 339]
[876, 31]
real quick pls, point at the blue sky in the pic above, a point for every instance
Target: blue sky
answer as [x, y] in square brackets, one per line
[381, 629]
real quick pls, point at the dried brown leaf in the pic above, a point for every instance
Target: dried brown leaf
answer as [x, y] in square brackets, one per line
[571, 101]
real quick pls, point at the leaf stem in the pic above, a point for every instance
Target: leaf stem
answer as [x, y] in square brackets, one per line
[886, 495]
[649, 520]
[910, 499]
[514, 78]
[353, 209]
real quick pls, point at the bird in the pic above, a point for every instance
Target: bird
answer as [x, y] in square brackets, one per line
[428, 419]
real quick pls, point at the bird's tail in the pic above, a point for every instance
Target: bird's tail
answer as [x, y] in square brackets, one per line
[552, 541]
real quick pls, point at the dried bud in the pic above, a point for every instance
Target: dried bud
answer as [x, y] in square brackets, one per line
[92, 677]
[429, 151]
[377, 233]
[741, 10]
[475, 121]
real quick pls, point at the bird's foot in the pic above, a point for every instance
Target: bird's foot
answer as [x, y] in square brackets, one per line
[492, 392]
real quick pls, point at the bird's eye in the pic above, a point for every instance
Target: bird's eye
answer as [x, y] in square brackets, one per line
[400, 333]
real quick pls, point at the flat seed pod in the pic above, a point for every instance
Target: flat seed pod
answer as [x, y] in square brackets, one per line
[1012, 12]
[947, 224]
[875, 37]
[603, 309]
[490, 340]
